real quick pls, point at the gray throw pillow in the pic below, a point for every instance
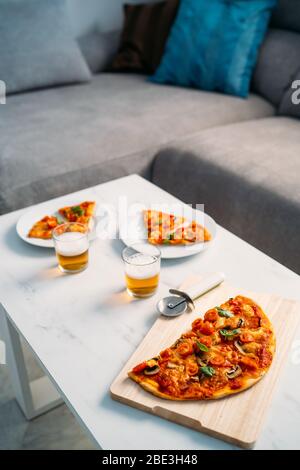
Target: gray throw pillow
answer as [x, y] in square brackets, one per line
[37, 48]
[290, 103]
[277, 65]
[99, 48]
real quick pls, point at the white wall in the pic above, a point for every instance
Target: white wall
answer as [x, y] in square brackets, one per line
[106, 14]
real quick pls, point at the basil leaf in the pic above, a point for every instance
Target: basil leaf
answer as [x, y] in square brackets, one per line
[229, 333]
[208, 371]
[202, 346]
[77, 210]
[168, 238]
[224, 313]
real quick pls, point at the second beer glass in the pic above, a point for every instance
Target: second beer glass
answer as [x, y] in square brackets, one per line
[142, 268]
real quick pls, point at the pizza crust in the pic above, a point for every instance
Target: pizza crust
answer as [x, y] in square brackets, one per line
[225, 392]
[151, 386]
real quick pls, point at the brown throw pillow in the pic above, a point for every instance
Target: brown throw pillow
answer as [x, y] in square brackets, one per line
[145, 31]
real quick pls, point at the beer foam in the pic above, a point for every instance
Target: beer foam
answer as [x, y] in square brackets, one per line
[71, 244]
[142, 266]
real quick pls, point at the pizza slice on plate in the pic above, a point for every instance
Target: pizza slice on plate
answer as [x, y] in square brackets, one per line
[43, 228]
[168, 229]
[224, 353]
[82, 213]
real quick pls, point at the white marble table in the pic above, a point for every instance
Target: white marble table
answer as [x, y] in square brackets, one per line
[71, 322]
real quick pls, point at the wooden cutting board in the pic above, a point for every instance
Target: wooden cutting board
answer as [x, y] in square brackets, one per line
[237, 419]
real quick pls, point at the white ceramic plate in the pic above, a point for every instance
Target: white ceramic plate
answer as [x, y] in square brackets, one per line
[31, 216]
[133, 230]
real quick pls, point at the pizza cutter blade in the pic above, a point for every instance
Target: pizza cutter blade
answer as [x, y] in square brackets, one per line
[177, 303]
[172, 306]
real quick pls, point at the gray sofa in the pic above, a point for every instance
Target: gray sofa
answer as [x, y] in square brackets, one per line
[236, 156]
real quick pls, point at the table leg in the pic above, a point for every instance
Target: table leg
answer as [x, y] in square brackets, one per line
[34, 397]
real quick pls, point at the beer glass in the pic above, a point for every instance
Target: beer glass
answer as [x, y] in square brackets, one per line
[142, 268]
[72, 247]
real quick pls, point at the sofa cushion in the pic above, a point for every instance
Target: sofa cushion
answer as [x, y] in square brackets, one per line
[37, 48]
[213, 45]
[290, 103]
[145, 31]
[247, 176]
[287, 15]
[50, 133]
[99, 48]
[278, 63]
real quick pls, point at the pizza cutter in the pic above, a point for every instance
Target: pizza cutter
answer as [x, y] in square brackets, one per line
[178, 302]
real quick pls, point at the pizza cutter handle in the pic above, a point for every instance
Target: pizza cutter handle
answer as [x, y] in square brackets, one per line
[205, 285]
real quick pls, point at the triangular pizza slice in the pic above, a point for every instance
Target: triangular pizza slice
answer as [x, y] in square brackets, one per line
[81, 213]
[169, 229]
[43, 228]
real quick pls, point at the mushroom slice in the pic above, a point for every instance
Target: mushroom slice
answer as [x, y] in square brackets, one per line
[171, 365]
[239, 347]
[234, 372]
[195, 378]
[152, 367]
[152, 370]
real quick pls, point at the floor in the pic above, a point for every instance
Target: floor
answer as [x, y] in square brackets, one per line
[57, 429]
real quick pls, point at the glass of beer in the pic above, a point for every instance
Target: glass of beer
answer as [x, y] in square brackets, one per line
[142, 267]
[72, 247]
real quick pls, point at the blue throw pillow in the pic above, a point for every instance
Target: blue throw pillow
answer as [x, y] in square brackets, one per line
[213, 44]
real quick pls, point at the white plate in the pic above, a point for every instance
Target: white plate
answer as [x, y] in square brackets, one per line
[31, 216]
[132, 229]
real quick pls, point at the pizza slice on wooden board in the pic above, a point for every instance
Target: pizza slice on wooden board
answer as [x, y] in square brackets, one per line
[226, 352]
[169, 229]
[43, 228]
[82, 213]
